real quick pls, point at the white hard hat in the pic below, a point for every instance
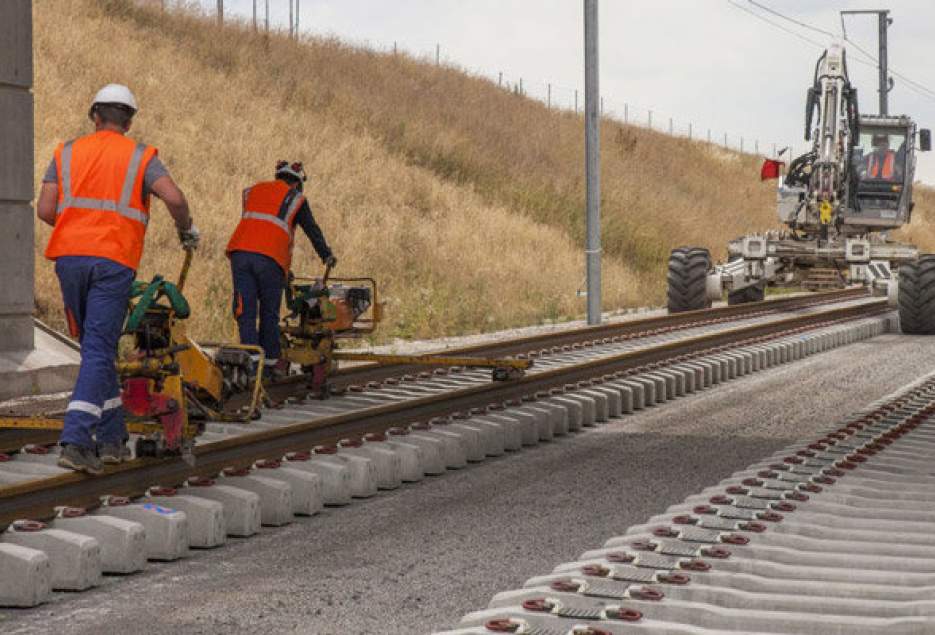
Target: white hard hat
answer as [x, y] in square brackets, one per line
[115, 94]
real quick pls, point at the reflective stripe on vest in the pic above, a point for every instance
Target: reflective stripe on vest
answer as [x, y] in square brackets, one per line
[286, 216]
[121, 207]
[887, 167]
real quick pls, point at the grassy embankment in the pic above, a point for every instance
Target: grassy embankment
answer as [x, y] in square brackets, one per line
[464, 200]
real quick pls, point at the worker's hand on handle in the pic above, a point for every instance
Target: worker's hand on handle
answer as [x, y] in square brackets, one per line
[189, 237]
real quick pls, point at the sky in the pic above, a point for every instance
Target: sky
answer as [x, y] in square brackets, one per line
[704, 63]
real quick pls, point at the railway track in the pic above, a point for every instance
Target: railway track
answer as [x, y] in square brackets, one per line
[377, 434]
[367, 373]
[830, 535]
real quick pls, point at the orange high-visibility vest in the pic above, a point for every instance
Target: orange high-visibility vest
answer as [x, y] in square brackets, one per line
[267, 223]
[101, 209]
[884, 171]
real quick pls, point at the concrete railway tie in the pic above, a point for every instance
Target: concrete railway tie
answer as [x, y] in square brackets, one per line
[832, 536]
[74, 550]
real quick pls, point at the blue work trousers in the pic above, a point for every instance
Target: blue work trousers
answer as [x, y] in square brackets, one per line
[258, 287]
[96, 292]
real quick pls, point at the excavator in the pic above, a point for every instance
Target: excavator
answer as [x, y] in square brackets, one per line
[837, 204]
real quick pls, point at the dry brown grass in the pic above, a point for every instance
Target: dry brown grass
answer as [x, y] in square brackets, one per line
[466, 201]
[921, 231]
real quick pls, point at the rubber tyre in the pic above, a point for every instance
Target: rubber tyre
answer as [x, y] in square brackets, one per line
[688, 268]
[917, 296]
[750, 294]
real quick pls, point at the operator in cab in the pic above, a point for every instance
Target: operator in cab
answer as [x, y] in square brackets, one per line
[260, 253]
[881, 163]
[96, 195]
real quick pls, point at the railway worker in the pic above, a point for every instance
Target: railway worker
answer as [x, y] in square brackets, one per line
[260, 252]
[881, 162]
[96, 195]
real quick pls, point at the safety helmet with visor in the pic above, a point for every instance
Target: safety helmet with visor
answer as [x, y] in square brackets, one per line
[294, 172]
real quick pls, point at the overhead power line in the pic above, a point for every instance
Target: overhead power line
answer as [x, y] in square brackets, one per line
[870, 59]
[759, 16]
[911, 84]
[792, 20]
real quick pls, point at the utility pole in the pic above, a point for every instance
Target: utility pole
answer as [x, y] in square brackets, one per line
[886, 82]
[254, 16]
[297, 12]
[267, 16]
[592, 138]
[220, 12]
[291, 20]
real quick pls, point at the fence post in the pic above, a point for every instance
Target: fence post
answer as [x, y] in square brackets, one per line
[576, 100]
[291, 21]
[548, 99]
[602, 106]
[741, 144]
[520, 85]
[394, 47]
[254, 13]
[725, 140]
[689, 131]
[500, 80]
[267, 16]
[221, 12]
[650, 120]
[671, 126]
[438, 54]
[709, 135]
[626, 113]
[756, 146]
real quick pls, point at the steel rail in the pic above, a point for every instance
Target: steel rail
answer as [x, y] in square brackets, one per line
[362, 374]
[38, 499]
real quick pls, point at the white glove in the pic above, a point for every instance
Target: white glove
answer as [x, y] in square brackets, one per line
[190, 237]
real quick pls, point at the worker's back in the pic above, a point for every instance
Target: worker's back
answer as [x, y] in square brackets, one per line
[268, 221]
[102, 210]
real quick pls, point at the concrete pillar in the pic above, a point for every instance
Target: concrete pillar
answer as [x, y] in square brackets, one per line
[16, 175]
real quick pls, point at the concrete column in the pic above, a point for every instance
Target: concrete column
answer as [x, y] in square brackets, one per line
[16, 176]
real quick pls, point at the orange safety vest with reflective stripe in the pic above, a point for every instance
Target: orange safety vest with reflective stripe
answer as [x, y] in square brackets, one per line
[267, 223]
[884, 171]
[101, 208]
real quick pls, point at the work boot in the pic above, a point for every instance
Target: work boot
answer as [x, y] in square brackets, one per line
[113, 453]
[277, 371]
[79, 459]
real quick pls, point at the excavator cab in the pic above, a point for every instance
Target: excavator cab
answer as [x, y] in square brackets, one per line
[882, 165]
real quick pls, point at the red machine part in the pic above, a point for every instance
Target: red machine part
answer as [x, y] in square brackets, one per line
[139, 400]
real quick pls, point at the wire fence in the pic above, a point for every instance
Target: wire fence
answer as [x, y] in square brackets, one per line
[553, 95]
[561, 97]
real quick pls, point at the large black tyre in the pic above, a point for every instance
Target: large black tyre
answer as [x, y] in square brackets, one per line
[917, 296]
[688, 267]
[755, 293]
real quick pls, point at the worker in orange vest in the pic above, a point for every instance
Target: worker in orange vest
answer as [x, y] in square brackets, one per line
[881, 162]
[96, 195]
[260, 252]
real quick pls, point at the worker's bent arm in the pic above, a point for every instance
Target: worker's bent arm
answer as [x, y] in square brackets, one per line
[306, 221]
[170, 194]
[45, 206]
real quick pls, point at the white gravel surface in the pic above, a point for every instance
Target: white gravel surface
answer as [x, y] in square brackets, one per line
[416, 559]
